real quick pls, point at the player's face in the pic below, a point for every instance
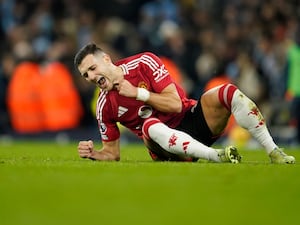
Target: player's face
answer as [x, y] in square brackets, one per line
[98, 69]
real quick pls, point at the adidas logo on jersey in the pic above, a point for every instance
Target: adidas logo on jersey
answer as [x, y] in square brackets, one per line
[121, 111]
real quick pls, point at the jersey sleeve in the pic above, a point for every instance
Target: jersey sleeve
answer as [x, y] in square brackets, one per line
[108, 128]
[156, 71]
[108, 131]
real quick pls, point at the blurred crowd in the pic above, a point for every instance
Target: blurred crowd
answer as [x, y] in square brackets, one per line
[251, 43]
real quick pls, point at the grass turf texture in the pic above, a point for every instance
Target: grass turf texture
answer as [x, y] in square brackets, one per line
[43, 183]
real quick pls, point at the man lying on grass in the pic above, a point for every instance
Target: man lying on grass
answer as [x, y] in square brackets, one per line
[139, 92]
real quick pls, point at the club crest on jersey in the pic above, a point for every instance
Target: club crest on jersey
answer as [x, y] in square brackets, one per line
[142, 84]
[145, 111]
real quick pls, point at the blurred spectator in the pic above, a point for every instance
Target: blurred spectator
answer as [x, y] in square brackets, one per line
[23, 98]
[152, 15]
[41, 95]
[293, 81]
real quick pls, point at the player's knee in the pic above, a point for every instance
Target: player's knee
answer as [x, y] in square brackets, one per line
[225, 95]
[147, 124]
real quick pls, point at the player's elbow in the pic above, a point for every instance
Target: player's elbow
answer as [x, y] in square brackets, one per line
[176, 107]
[176, 104]
[117, 158]
[114, 157]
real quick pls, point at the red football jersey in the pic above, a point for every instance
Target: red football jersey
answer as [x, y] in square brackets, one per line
[143, 70]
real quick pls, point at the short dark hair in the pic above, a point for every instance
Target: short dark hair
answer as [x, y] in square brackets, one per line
[90, 48]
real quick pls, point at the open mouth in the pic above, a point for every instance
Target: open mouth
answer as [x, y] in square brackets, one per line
[102, 82]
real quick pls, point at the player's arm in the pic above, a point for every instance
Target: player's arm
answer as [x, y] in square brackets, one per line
[110, 150]
[167, 100]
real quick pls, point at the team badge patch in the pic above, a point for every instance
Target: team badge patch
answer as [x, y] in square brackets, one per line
[102, 128]
[142, 84]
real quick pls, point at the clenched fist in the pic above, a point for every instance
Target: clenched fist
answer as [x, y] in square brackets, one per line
[85, 149]
[125, 88]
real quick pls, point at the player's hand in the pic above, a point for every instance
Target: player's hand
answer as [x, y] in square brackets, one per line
[85, 149]
[125, 88]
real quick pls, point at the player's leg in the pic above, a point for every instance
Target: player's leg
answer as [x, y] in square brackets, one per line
[180, 143]
[157, 153]
[218, 103]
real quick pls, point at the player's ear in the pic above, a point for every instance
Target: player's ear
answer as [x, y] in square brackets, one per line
[106, 58]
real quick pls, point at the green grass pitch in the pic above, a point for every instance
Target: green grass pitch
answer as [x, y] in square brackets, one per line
[43, 183]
